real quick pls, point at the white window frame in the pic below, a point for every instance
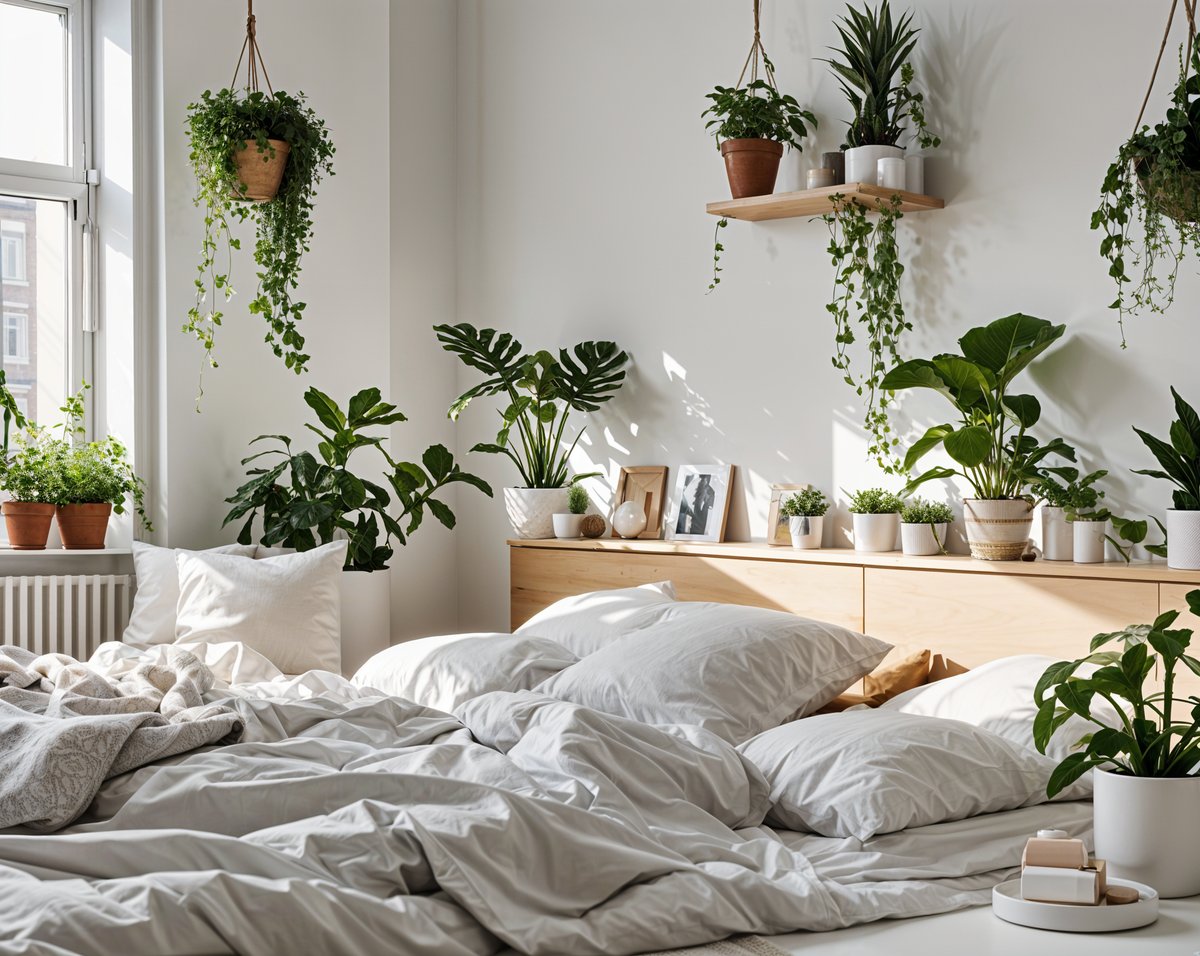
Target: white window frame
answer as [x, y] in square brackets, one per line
[13, 232]
[21, 356]
[69, 183]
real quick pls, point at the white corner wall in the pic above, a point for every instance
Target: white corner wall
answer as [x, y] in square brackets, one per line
[583, 173]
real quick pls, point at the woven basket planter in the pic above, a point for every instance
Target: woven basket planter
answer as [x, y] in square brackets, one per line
[998, 529]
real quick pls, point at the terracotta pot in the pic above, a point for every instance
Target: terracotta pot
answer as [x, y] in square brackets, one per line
[83, 527]
[751, 165]
[28, 524]
[261, 173]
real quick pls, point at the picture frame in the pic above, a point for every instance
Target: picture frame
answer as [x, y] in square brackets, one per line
[778, 535]
[700, 504]
[647, 485]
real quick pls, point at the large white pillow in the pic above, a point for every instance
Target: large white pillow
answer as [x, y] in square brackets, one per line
[859, 773]
[732, 670]
[443, 672]
[287, 608]
[584, 623]
[152, 620]
[998, 696]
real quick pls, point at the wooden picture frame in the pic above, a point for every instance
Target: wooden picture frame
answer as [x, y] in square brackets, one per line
[778, 535]
[647, 485]
[701, 503]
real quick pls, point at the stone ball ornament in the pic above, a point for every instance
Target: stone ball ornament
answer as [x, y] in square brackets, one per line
[592, 526]
[629, 520]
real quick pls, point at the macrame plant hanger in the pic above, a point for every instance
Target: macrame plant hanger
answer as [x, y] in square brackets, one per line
[758, 53]
[1189, 7]
[254, 58]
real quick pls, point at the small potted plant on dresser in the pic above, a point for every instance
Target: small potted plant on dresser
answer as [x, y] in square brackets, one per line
[925, 527]
[876, 516]
[1179, 459]
[805, 513]
[1061, 492]
[567, 524]
[1145, 749]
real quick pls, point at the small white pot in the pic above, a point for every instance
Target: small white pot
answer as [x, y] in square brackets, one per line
[997, 528]
[366, 616]
[914, 172]
[1088, 541]
[862, 162]
[922, 538]
[1058, 540]
[567, 525]
[875, 532]
[531, 510]
[1183, 540]
[1146, 829]
[806, 531]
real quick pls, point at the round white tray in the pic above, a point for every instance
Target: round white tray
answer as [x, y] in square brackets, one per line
[1066, 918]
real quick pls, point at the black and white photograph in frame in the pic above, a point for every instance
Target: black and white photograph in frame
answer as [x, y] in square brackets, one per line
[701, 503]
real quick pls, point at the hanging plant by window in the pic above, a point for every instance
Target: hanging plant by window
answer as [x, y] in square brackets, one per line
[256, 156]
[1150, 201]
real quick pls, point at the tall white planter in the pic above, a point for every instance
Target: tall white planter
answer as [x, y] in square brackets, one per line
[806, 531]
[1183, 540]
[875, 532]
[862, 162]
[922, 538]
[531, 510]
[1088, 541]
[366, 616]
[997, 529]
[1058, 539]
[1147, 831]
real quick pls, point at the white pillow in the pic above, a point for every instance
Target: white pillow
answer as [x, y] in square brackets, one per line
[584, 623]
[152, 620]
[287, 608]
[859, 773]
[443, 672]
[732, 670]
[998, 696]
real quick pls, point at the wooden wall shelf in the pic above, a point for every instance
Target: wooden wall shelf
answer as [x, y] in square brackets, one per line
[817, 202]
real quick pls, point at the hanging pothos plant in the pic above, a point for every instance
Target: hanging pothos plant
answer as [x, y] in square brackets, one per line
[232, 128]
[1154, 184]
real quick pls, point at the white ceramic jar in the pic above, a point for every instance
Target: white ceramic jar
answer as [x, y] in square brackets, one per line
[875, 532]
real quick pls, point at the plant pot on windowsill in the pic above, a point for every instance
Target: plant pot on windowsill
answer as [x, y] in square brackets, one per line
[751, 165]
[28, 524]
[261, 170]
[83, 527]
[998, 528]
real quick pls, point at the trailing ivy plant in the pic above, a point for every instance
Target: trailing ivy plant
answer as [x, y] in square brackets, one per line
[218, 127]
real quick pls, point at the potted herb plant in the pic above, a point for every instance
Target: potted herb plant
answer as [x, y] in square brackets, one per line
[990, 443]
[567, 525]
[805, 513]
[876, 518]
[1145, 749]
[1179, 463]
[30, 479]
[1058, 493]
[873, 69]
[256, 156]
[541, 391]
[924, 527]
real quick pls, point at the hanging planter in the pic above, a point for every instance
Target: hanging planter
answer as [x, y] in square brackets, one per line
[256, 155]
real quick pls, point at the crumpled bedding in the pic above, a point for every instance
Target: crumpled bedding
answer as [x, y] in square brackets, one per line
[350, 823]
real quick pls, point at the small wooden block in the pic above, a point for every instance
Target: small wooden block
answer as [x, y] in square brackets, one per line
[1120, 895]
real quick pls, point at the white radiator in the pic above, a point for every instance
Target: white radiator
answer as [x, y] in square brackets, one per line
[67, 614]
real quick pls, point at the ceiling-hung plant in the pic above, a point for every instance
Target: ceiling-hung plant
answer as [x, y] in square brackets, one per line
[1179, 463]
[1149, 210]
[256, 156]
[989, 444]
[305, 499]
[1145, 747]
[541, 390]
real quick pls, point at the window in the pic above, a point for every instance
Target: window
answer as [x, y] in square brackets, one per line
[45, 203]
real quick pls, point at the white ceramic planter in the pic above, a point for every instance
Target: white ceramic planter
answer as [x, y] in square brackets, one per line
[914, 172]
[875, 532]
[922, 538]
[1088, 541]
[567, 525]
[1058, 539]
[1146, 829]
[862, 162]
[997, 529]
[806, 531]
[366, 616]
[1183, 540]
[531, 511]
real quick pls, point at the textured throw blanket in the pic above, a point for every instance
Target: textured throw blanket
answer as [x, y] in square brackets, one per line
[65, 728]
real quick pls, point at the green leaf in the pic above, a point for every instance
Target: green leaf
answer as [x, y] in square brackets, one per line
[438, 462]
[1071, 769]
[441, 512]
[969, 446]
[1008, 345]
[326, 408]
[1025, 409]
[925, 444]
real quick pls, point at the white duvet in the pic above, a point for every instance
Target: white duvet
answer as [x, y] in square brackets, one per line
[351, 823]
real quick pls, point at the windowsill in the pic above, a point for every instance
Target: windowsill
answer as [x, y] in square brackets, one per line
[53, 561]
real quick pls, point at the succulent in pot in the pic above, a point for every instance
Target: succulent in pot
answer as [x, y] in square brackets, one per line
[925, 527]
[569, 524]
[990, 444]
[876, 517]
[1179, 463]
[805, 514]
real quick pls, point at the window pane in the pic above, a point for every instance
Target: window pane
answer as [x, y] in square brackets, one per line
[34, 303]
[33, 84]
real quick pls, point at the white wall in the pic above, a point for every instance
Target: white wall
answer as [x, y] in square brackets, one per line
[583, 172]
